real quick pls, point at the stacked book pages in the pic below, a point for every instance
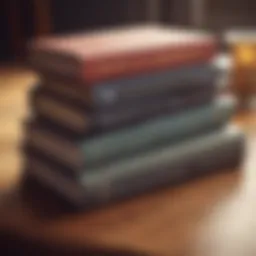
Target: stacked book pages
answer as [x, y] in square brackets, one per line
[125, 111]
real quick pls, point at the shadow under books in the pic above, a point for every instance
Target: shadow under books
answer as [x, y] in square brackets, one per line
[47, 205]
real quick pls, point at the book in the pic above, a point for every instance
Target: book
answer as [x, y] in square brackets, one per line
[220, 150]
[101, 150]
[81, 120]
[98, 56]
[132, 90]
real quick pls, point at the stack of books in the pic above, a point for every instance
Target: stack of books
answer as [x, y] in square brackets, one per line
[124, 111]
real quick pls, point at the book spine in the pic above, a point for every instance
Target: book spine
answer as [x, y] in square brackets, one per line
[42, 62]
[170, 165]
[70, 90]
[133, 89]
[160, 131]
[56, 111]
[147, 61]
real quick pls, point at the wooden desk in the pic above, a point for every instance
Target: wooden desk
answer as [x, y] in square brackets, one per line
[161, 223]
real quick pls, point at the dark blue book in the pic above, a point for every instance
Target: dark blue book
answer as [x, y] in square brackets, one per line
[132, 90]
[81, 120]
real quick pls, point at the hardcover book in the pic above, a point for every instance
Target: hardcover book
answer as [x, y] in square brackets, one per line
[134, 89]
[127, 142]
[81, 120]
[97, 56]
[170, 165]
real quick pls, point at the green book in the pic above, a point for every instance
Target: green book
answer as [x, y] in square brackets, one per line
[99, 151]
[216, 151]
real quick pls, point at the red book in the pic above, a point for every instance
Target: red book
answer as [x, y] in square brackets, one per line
[98, 56]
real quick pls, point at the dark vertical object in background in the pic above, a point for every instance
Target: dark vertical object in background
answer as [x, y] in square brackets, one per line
[42, 14]
[28, 19]
[14, 9]
[5, 49]
[28, 22]
[16, 27]
[167, 13]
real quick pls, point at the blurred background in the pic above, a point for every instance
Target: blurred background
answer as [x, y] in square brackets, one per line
[22, 20]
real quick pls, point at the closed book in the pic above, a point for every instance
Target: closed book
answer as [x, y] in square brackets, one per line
[170, 165]
[101, 150]
[81, 120]
[98, 56]
[132, 90]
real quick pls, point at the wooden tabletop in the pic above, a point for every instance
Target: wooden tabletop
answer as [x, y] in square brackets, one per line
[165, 222]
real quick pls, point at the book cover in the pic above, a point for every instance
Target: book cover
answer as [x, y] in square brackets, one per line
[82, 120]
[212, 153]
[127, 142]
[99, 56]
[124, 91]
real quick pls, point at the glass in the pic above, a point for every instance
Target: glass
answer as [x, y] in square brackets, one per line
[243, 52]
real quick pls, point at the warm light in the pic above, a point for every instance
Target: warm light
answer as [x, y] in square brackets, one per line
[245, 54]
